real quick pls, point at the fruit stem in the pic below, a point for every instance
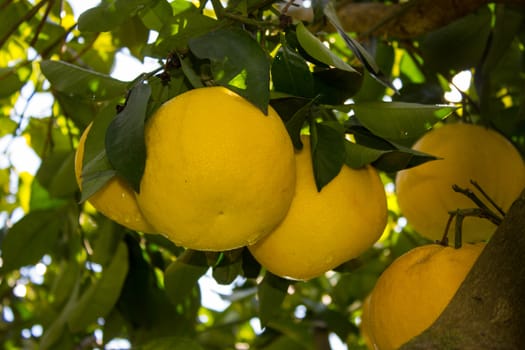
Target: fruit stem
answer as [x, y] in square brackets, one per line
[485, 211]
[487, 197]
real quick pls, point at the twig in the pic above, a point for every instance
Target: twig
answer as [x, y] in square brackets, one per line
[23, 19]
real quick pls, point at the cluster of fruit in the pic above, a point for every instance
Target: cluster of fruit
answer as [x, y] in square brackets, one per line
[220, 175]
[415, 289]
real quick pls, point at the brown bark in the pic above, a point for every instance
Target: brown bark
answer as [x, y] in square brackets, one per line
[407, 20]
[488, 311]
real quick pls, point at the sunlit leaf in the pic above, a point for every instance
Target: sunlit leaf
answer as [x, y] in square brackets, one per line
[83, 83]
[399, 122]
[315, 48]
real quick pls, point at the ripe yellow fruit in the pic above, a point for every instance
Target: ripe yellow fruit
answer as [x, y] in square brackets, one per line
[324, 229]
[365, 323]
[116, 199]
[468, 152]
[414, 290]
[219, 173]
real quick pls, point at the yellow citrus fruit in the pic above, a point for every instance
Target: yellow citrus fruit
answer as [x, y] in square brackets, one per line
[219, 173]
[324, 229]
[116, 199]
[468, 152]
[364, 326]
[414, 290]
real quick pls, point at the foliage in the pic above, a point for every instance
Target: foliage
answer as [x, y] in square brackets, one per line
[70, 278]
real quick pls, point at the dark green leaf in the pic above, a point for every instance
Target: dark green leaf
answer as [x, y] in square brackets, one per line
[357, 156]
[102, 18]
[290, 72]
[100, 297]
[229, 267]
[171, 343]
[132, 34]
[187, 24]
[328, 151]
[463, 41]
[295, 124]
[11, 81]
[508, 23]
[399, 122]
[57, 174]
[109, 15]
[30, 238]
[237, 62]
[271, 293]
[401, 158]
[83, 83]
[125, 144]
[106, 242]
[64, 283]
[182, 275]
[315, 48]
[335, 86]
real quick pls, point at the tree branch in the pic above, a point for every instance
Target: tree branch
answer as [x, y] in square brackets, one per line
[407, 20]
[488, 311]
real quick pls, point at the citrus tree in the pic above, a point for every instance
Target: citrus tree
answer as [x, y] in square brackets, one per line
[260, 162]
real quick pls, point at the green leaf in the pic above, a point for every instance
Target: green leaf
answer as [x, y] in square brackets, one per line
[10, 80]
[102, 18]
[336, 86]
[295, 124]
[182, 275]
[100, 297]
[358, 156]
[185, 25]
[30, 238]
[229, 266]
[96, 169]
[41, 199]
[7, 126]
[171, 343]
[290, 72]
[271, 293]
[158, 15]
[106, 242]
[328, 151]
[109, 15]
[401, 158]
[237, 62]
[125, 144]
[132, 34]
[458, 45]
[399, 122]
[57, 174]
[83, 83]
[315, 48]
